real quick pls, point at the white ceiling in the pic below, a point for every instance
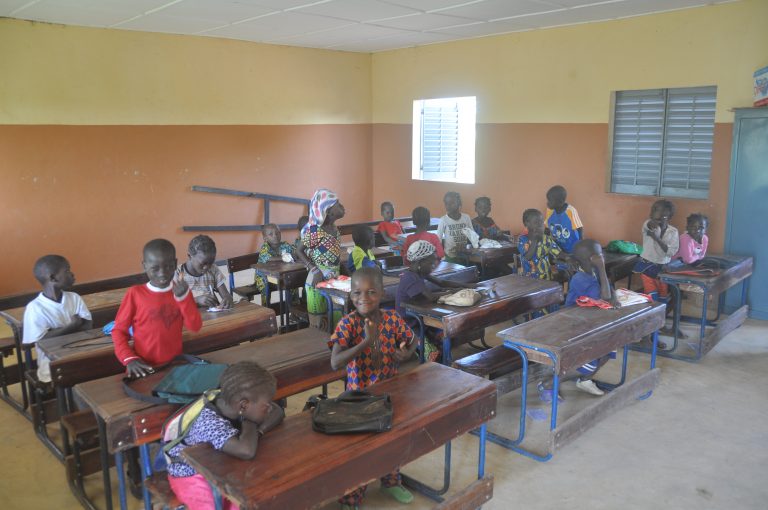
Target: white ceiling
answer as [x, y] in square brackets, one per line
[348, 25]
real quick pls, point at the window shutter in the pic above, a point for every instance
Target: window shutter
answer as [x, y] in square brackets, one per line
[688, 142]
[440, 142]
[638, 135]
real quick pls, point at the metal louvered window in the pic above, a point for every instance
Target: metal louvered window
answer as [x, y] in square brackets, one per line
[662, 142]
[444, 139]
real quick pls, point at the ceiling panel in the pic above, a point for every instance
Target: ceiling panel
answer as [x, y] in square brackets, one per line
[418, 22]
[223, 11]
[480, 29]
[498, 9]
[344, 35]
[358, 10]
[278, 25]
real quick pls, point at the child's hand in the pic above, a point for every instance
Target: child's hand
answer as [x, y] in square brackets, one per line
[372, 340]
[76, 322]
[404, 353]
[226, 302]
[205, 300]
[180, 287]
[273, 419]
[138, 368]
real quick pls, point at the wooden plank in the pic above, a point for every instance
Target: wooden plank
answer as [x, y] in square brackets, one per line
[474, 496]
[510, 382]
[724, 327]
[90, 462]
[574, 426]
[10, 375]
[299, 468]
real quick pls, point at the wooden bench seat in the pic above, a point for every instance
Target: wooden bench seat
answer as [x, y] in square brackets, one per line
[80, 423]
[161, 492]
[502, 366]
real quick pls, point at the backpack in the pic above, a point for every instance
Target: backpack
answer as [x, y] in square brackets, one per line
[182, 384]
[624, 247]
[176, 428]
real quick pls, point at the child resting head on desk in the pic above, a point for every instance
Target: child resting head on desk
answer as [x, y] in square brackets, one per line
[54, 311]
[274, 248]
[361, 255]
[371, 342]
[203, 276]
[413, 287]
[234, 423]
[157, 310]
[591, 281]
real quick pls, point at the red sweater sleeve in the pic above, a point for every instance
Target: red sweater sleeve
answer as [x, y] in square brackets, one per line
[190, 313]
[123, 321]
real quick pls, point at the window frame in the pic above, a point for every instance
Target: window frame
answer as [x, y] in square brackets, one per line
[466, 136]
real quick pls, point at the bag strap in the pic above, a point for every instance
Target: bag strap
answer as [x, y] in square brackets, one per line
[356, 396]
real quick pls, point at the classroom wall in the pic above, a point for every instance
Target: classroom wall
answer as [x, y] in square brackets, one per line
[102, 133]
[544, 99]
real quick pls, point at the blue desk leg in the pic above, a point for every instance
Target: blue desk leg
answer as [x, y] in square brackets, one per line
[422, 488]
[146, 468]
[481, 452]
[218, 502]
[654, 351]
[121, 480]
[447, 359]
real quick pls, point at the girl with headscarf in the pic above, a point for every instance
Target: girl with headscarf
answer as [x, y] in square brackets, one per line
[321, 245]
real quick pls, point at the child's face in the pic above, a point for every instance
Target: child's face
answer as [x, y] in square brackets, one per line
[590, 257]
[535, 224]
[272, 236]
[452, 204]
[555, 200]
[425, 266]
[256, 408]
[366, 295]
[696, 229]
[660, 215]
[64, 278]
[482, 208]
[159, 267]
[388, 212]
[201, 262]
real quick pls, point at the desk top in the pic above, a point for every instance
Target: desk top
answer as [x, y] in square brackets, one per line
[733, 269]
[97, 303]
[577, 335]
[619, 265]
[279, 268]
[296, 467]
[514, 295]
[89, 354]
[300, 360]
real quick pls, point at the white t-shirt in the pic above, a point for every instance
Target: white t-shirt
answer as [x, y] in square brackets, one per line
[42, 315]
[652, 252]
[450, 232]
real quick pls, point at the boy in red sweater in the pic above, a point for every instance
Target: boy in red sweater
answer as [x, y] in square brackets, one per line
[157, 311]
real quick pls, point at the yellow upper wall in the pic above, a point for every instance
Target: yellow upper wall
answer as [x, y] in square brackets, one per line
[57, 74]
[566, 74]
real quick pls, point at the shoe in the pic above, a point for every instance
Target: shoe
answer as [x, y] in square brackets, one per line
[545, 395]
[589, 386]
[399, 493]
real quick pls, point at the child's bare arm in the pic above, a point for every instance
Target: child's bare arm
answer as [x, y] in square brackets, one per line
[274, 418]
[302, 257]
[76, 324]
[226, 297]
[244, 445]
[340, 356]
[606, 291]
[387, 239]
[531, 251]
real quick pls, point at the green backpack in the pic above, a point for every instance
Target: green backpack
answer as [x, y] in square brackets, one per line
[624, 247]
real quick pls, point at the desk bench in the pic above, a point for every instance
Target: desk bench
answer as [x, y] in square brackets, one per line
[299, 361]
[566, 339]
[298, 468]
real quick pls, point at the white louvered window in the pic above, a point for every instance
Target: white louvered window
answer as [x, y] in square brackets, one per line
[444, 139]
[662, 141]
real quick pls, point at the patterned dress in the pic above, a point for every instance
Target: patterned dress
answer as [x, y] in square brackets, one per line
[324, 249]
[540, 266]
[363, 370]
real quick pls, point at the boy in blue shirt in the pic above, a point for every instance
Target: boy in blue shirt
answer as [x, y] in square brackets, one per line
[562, 220]
[591, 281]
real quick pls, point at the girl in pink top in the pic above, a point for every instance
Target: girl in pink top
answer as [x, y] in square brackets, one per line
[693, 244]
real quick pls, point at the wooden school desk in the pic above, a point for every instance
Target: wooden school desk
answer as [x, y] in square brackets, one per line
[286, 276]
[571, 337]
[444, 270]
[734, 269]
[619, 266]
[296, 468]
[484, 256]
[300, 361]
[514, 295]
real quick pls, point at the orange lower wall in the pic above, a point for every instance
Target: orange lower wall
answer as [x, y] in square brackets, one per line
[517, 163]
[96, 194]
